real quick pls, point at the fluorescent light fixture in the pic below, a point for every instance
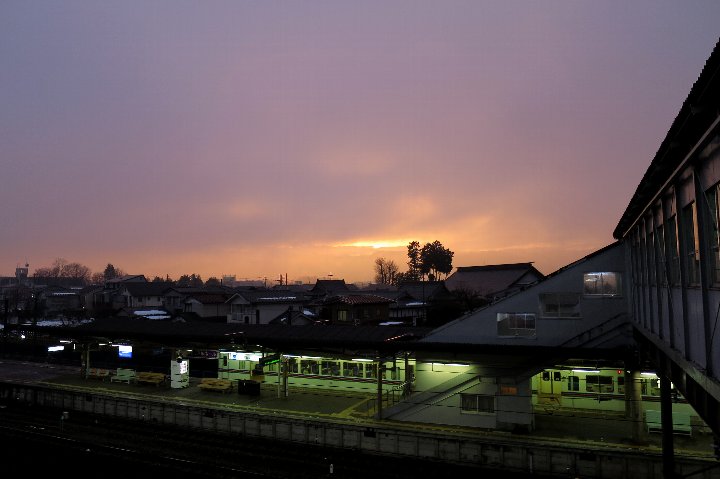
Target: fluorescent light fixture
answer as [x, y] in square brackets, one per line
[648, 374]
[291, 355]
[591, 371]
[311, 357]
[458, 365]
[65, 341]
[55, 348]
[362, 360]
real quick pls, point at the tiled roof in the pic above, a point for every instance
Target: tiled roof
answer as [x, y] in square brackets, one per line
[353, 299]
[208, 298]
[147, 289]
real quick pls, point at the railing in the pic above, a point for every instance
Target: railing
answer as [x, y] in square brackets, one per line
[389, 398]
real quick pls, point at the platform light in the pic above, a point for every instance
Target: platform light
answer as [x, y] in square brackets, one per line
[587, 371]
[648, 374]
[55, 348]
[311, 357]
[362, 360]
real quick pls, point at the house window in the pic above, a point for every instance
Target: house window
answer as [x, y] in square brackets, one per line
[601, 284]
[516, 325]
[342, 315]
[573, 383]
[477, 403]
[560, 305]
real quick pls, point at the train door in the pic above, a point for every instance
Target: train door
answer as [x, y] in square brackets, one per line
[549, 389]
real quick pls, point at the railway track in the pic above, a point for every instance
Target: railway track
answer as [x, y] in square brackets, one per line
[36, 438]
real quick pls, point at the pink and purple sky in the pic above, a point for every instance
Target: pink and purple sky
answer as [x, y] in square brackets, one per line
[308, 138]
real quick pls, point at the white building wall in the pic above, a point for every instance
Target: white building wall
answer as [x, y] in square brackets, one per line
[481, 326]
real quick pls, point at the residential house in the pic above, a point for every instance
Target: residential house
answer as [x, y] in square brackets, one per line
[354, 309]
[207, 303]
[261, 306]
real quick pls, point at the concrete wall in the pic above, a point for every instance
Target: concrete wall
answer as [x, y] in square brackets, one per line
[480, 327]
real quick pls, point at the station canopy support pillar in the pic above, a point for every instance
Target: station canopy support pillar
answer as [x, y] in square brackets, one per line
[666, 419]
[633, 404]
[379, 371]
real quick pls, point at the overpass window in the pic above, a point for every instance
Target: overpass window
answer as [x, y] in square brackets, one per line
[560, 305]
[516, 325]
[674, 258]
[661, 259]
[714, 215]
[692, 248]
[601, 284]
[477, 403]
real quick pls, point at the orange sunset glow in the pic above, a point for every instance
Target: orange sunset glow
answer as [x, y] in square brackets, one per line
[307, 139]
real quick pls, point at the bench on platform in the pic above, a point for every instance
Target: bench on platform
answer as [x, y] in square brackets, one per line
[150, 378]
[98, 373]
[215, 384]
[681, 422]
[123, 375]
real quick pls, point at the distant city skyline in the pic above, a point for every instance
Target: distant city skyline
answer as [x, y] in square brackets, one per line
[260, 139]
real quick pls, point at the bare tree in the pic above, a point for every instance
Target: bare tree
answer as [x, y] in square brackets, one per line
[61, 268]
[385, 271]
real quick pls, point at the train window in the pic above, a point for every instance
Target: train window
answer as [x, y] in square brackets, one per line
[353, 369]
[477, 403]
[599, 384]
[330, 368]
[292, 365]
[573, 383]
[601, 284]
[309, 366]
[621, 384]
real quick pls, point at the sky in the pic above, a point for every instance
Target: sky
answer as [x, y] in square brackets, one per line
[307, 139]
